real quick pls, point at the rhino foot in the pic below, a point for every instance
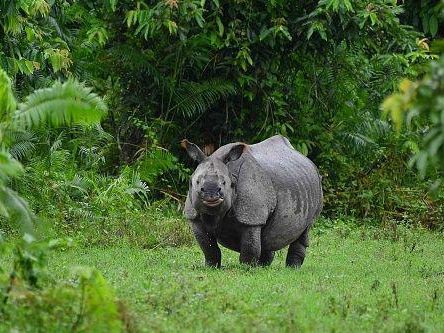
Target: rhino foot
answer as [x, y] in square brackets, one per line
[296, 251]
[266, 258]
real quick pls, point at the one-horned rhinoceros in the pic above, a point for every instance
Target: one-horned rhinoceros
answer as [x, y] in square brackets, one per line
[253, 199]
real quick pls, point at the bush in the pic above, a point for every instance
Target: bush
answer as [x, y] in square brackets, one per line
[95, 209]
[32, 302]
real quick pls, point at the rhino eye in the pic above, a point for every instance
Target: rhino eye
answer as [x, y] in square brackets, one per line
[224, 183]
[197, 182]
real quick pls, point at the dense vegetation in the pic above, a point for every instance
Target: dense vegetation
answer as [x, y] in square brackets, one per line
[95, 97]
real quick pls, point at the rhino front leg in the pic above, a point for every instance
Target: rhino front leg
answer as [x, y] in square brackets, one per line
[250, 249]
[266, 258]
[208, 244]
[296, 251]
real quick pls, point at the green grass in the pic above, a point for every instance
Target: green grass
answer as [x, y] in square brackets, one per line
[353, 280]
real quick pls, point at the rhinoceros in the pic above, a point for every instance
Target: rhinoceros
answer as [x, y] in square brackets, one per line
[253, 199]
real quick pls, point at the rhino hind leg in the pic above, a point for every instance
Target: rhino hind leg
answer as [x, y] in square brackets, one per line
[266, 258]
[296, 251]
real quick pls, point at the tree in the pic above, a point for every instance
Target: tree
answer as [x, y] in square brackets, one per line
[420, 105]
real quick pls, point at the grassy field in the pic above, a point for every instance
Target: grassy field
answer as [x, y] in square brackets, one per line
[354, 280]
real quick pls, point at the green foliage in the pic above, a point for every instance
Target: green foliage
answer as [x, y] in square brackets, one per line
[7, 99]
[421, 105]
[194, 98]
[62, 104]
[157, 162]
[67, 103]
[16, 209]
[22, 299]
[215, 72]
[21, 143]
[426, 15]
[31, 302]
[96, 209]
[33, 39]
[98, 304]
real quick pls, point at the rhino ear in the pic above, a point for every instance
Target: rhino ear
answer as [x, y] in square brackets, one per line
[193, 150]
[235, 152]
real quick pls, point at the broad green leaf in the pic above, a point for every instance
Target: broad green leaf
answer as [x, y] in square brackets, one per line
[131, 18]
[220, 26]
[59, 58]
[13, 207]
[98, 35]
[112, 4]
[348, 5]
[199, 19]
[7, 100]
[9, 167]
[394, 106]
[24, 66]
[436, 144]
[172, 26]
[310, 32]
[374, 18]
[284, 31]
[433, 25]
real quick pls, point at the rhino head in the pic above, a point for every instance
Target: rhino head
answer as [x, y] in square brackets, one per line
[211, 187]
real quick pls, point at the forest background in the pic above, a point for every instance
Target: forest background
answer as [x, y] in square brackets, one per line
[355, 85]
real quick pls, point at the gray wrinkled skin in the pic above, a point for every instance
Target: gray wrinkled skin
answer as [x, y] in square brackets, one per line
[253, 199]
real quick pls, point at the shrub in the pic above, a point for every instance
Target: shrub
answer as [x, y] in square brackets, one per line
[32, 302]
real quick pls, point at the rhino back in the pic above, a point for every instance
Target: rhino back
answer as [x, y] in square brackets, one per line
[298, 187]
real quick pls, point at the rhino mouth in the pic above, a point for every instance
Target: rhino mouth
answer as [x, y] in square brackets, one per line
[213, 202]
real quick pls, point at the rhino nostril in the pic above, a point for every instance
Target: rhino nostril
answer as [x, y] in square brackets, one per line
[202, 189]
[219, 189]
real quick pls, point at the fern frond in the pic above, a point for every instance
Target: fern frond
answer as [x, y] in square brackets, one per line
[57, 144]
[358, 142]
[62, 104]
[193, 98]
[138, 187]
[84, 214]
[154, 163]
[78, 183]
[378, 128]
[21, 143]
[369, 134]
[90, 136]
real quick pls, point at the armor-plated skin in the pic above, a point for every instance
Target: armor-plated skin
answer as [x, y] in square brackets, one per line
[254, 199]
